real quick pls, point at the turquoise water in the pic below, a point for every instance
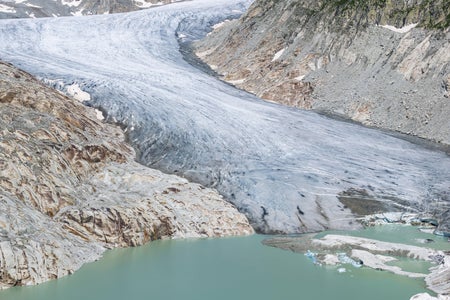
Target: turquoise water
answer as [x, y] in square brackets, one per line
[229, 268]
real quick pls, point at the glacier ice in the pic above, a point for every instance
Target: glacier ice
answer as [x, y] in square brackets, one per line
[281, 166]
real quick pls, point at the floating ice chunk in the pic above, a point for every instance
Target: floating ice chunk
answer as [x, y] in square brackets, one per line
[330, 259]
[345, 259]
[311, 256]
[341, 270]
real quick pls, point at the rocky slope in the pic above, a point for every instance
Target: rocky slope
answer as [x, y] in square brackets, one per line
[384, 63]
[70, 189]
[57, 8]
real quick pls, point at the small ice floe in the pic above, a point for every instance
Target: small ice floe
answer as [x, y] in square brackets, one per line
[278, 54]
[404, 29]
[330, 259]
[342, 270]
[429, 230]
[345, 259]
[312, 256]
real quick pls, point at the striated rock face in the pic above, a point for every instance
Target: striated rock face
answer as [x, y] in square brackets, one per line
[69, 188]
[382, 63]
[57, 8]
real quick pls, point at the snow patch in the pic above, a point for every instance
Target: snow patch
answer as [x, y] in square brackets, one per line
[75, 91]
[7, 9]
[203, 54]
[278, 54]
[404, 29]
[77, 13]
[299, 78]
[32, 5]
[145, 4]
[218, 25]
[73, 3]
[99, 115]
[237, 81]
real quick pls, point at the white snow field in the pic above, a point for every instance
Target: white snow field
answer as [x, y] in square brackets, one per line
[281, 166]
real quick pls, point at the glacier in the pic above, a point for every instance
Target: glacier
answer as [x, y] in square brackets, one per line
[283, 167]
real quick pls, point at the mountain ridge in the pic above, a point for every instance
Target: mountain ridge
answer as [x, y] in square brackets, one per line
[11, 9]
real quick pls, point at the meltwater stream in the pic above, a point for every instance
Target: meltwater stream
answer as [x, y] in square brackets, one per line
[281, 166]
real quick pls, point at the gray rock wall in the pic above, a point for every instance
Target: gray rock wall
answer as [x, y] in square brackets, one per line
[382, 63]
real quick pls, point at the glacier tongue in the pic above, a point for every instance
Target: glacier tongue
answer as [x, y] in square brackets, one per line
[283, 167]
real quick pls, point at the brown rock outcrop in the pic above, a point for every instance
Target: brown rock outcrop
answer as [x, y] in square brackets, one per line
[69, 188]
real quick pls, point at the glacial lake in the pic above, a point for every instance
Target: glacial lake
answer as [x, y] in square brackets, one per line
[230, 268]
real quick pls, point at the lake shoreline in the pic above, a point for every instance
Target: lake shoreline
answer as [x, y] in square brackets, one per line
[334, 249]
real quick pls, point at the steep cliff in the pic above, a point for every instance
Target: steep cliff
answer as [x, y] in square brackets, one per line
[57, 8]
[384, 63]
[69, 188]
